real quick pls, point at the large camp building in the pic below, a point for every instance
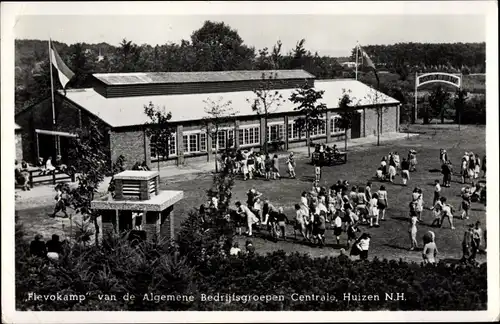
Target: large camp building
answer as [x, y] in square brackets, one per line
[117, 101]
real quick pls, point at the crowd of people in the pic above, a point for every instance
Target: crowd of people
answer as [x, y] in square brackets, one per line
[341, 207]
[47, 167]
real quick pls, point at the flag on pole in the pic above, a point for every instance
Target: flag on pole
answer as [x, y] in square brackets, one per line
[368, 62]
[65, 74]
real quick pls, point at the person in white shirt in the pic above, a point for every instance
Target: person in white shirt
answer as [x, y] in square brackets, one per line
[300, 220]
[337, 227]
[382, 201]
[436, 211]
[304, 201]
[48, 165]
[364, 245]
[250, 217]
[437, 191]
[373, 212]
[235, 250]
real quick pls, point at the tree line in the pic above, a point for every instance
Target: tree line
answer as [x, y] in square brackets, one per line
[216, 47]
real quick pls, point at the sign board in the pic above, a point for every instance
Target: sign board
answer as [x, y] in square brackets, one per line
[451, 79]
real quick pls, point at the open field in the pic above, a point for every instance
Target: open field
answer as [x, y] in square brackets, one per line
[391, 240]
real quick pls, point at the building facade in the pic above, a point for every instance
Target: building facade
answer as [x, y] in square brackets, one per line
[117, 101]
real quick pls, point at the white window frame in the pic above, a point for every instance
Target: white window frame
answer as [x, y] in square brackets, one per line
[333, 128]
[227, 131]
[252, 140]
[172, 152]
[281, 135]
[190, 135]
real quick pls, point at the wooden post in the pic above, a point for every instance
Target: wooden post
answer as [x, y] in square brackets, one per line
[171, 219]
[117, 221]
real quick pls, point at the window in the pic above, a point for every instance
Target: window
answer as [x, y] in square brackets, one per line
[191, 142]
[171, 144]
[294, 131]
[275, 132]
[224, 137]
[334, 126]
[249, 136]
[203, 142]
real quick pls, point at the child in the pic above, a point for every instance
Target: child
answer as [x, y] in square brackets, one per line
[446, 211]
[405, 171]
[436, 211]
[317, 172]
[418, 199]
[276, 167]
[337, 227]
[437, 192]
[413, 231]
[373, 210]
[361, 207]
[351, 233]
[382, 201]
[321, 227]
[392, 171]
[476, 237]
[290, 162]
[380, 174]
[466, 200]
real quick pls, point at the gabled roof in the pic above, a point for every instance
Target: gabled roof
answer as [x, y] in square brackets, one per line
[190, 77]
[129, 111]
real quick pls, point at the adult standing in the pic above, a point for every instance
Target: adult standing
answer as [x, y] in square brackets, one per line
[467, 243]
[446, 212]
[301, 220]
[276, 167]
[446, 172]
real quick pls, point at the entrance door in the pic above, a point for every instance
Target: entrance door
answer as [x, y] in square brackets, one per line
[64, 142]
[356, 126]
[47, 146]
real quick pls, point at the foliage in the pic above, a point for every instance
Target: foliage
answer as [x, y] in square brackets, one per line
[438, 100]
[267, 99]
[219, 115]
[118, 165]
[459, 102]
[311, 112]
[91, 163]
[346, 113]
[158, 129]
[427, 57]
[218, 47]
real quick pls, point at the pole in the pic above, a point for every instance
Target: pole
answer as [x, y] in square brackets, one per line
[460, 107]
[52, 84]
[416, 100]
[357, 50]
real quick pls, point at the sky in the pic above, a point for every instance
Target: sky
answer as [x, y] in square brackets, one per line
[333, 35]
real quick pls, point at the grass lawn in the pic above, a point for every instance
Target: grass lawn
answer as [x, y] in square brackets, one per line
[391, 239]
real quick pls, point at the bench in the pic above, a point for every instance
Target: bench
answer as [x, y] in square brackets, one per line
[48, 176]
[330, 158]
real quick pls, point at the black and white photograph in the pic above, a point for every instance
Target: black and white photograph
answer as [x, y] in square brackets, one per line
[209, 158]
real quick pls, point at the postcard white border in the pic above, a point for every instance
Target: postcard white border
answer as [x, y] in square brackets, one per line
[9, 11]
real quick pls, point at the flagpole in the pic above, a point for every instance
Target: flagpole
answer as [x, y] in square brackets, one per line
[357, 50]
[52, 84]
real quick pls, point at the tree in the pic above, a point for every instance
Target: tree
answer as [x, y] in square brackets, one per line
[266, 100]
[377, 100]
[218, 47]
[306, 98]
[219, 115]
[90, 162]
[276, 56]
[459, 103]
[126, 57]
[159, 130]
[437, 101]
[346, 113]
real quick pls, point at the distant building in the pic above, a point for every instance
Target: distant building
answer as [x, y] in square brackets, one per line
[348, 65]
[117, 100]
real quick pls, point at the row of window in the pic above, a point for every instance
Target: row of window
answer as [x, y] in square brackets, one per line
[197, 142]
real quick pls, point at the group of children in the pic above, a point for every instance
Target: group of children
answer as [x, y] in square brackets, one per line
[390, 166]
[255, 164]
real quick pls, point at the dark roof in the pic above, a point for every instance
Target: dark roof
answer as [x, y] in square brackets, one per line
[191, 77]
